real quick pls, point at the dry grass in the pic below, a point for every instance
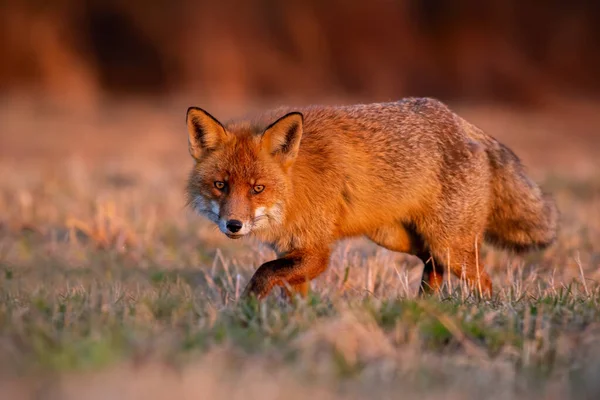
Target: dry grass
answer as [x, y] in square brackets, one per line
[111, 289]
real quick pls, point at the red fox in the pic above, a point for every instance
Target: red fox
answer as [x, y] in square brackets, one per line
[411, 175]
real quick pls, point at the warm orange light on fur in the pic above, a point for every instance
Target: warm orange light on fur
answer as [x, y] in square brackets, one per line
[411, 175]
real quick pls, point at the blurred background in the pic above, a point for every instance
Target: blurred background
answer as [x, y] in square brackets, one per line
[243, 50]
[98, 73]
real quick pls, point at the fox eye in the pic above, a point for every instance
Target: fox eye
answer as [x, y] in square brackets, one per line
[258, 188]
[219, 185]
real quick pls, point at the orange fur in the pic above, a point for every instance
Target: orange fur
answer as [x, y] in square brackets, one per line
[411, 175]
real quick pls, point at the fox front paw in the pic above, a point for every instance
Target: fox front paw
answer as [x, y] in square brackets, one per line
[256, 288]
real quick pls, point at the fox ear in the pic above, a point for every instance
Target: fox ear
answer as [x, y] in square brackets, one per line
[205, 132]
[282, 137]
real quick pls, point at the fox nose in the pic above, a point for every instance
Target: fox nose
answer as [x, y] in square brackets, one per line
[234, 225]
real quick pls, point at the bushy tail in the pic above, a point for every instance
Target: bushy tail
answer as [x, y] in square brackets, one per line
[522, 217]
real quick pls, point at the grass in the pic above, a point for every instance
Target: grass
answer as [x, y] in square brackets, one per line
[109, 287]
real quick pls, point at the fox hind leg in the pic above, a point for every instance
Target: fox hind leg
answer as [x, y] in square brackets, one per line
[464, 263]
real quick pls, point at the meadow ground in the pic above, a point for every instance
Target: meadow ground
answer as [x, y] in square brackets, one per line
[110, 288]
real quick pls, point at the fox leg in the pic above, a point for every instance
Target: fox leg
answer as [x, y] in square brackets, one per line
[296, 269]
[399, 238]
[464, 263]
[455, 242]
[432, 279]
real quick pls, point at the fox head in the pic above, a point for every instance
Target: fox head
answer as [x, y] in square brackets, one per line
[241, 175]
